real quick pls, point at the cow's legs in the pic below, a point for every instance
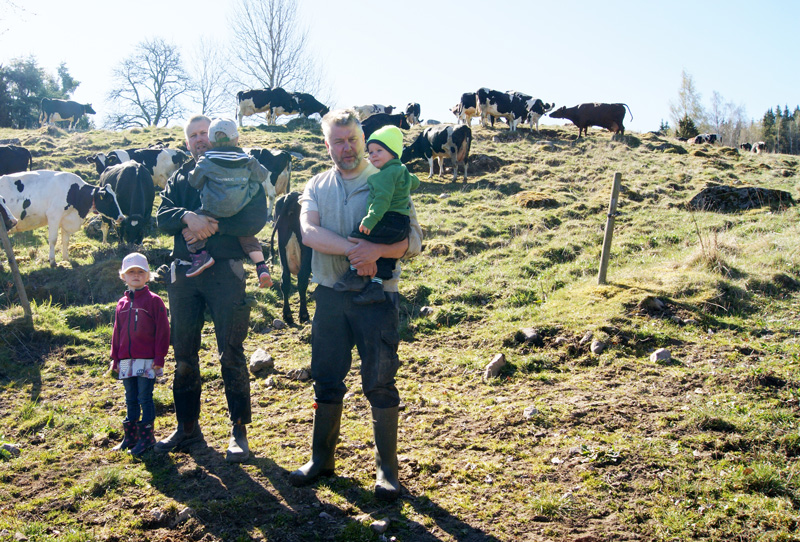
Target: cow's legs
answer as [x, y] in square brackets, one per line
[286, 289]
[104, 229]
[430, 163]
[52, 237]
[441, 165]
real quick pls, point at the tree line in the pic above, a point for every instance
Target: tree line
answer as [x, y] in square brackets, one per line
[157, 84]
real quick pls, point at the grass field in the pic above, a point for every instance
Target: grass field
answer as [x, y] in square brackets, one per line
[564, 445]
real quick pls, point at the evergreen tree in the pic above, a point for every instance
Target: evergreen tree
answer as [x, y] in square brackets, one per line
[768, 130]
[23, 84]
[686, 128]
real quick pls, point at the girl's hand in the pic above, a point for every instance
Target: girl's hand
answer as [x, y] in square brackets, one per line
[363, 229]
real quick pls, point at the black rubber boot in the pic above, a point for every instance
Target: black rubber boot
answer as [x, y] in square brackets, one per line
[327, 419]
[384, 427]
[145, 439]
[129, 440]
[180, 440]
[238, 448]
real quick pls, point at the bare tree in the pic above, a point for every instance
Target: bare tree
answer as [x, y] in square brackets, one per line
[271, 46]
[688, 103]
[212, 81]
[149, 86]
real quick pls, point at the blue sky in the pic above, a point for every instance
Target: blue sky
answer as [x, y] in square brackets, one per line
[430, 52]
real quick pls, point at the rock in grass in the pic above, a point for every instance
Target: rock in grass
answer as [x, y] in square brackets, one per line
[494, 367]
[380, 526]
[530, 335]
[597, 346]
[183, 515]
[586, 338]
[661, 355]
[261, 361]
[530, 412]
[13, 449]
[277, 323]
[299, 374]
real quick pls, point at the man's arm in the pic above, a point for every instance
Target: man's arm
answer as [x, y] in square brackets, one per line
[319, 238]
[173, 217]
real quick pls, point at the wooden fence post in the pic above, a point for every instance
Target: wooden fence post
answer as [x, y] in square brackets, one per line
[612, 211]
[12, 263]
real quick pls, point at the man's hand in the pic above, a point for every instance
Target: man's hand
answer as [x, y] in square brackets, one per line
[198, 227]
[363, 252]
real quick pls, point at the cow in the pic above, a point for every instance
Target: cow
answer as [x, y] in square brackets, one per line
[253, 101]
[307, 105]
[608, 116]
[535, 107]
[466, 108]
[161, 163]
[438, 142]
[759, 146]
[380, 120]
[279, 165]
[14, 159]
[431, 122]
[295, 257]
[412, 113]
[62, 111]
[9, 220]
[133, 185]
[747, 147]
[705, 138]
[58, 199]
[511, 106]
[365, 111]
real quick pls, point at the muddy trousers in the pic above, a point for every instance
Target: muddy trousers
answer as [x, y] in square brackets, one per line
[221, 290]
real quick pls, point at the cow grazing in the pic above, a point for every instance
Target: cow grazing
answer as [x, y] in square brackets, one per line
[747, 147]
[279, 165]
[366, 111]
[412, 113]
[57, 199]
[439, 142]
[466, 108]
[705, 138]
[512, 106]
[133, 184]
[295, 257]
[608, 116]
[276, 102]
[535, 108]
[253, 101]
[62, 111]
[9, 220]
[380, 120]
[759, 146]
[161, 163]
[14, 159]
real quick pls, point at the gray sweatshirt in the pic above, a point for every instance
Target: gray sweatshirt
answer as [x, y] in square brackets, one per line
[227, 179]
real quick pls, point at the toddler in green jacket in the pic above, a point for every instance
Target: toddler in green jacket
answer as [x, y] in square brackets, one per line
[387, 218]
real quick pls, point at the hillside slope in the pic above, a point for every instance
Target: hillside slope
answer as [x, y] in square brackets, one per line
[564, 444]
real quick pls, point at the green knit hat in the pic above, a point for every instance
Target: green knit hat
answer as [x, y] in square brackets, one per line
[390, 138]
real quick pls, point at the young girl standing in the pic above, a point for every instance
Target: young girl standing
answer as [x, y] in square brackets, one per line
[138, 346]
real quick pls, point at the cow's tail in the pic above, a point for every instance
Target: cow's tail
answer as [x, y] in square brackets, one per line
[30, 162]
[629, 111]
[272, 242]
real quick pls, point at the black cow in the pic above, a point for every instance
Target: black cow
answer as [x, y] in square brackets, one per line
[746, 147]
[608, 116]
[279, 165]
[135, 191]
[14, 159]
[466, 108]
[161, 163]
[295, 256]
[307, 105]
[438, 142]
[412, 113]
[9, 220]
[63, 110]
[380, 120]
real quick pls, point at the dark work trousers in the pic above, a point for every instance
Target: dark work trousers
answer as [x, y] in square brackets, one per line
[390, 229]
[339, 325]
[221, 289]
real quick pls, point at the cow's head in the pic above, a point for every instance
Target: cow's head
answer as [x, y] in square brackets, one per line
[179, 157]
[99, 161]
[560, 113]
[404, 122]
[105, 202]
[88, 109]
[8, 219]
[113, 159]
[133, 229]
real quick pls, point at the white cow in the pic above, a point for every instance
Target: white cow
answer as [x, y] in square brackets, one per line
[364, 111]
[56, 199]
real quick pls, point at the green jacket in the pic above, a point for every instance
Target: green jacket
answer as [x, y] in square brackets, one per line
[389, 190]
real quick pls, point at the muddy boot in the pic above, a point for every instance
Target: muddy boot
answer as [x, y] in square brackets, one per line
[238, 448]
[129, 440]
[384, 427]
[145, 438]
[327, 418]
[181, 440]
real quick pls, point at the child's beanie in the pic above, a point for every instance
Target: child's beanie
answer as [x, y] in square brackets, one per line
[390, 138]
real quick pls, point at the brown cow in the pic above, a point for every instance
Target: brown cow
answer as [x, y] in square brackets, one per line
[608, 116]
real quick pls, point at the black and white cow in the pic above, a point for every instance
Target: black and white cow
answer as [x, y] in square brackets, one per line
[307, 105]
[133, 184]
[14, 159]
[510, 106]
[253, 101]
[276, 102]
[63, 110]
[535, 107]
[466, 108]
[9, 220]
[366, 111]
[759, 146]
[161, 163]
[445, 140]
[380, 120]
[705, 138]
[56, 199]
[412, 113]
[279, 165]
[747, 147]
[295, 257]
